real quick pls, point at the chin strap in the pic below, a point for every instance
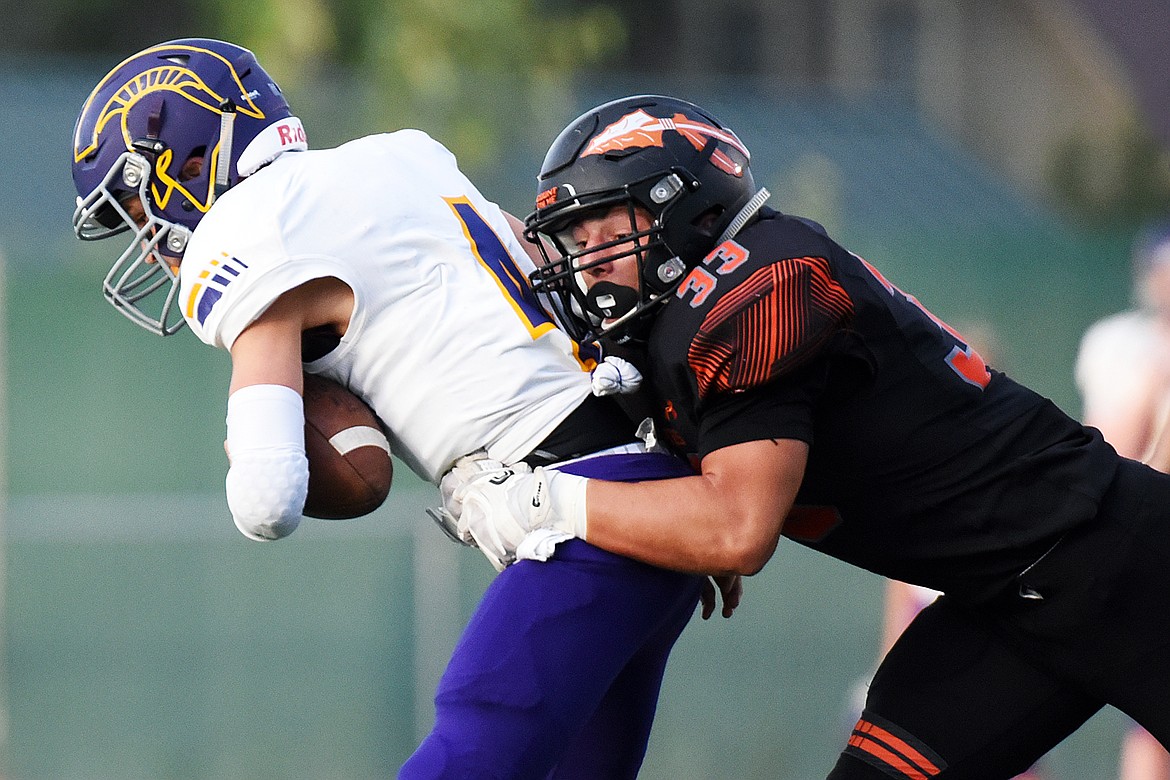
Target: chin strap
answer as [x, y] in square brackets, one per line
[745, 214]
[227, 120]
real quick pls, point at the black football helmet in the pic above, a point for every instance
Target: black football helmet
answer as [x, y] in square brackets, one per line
[687, 169]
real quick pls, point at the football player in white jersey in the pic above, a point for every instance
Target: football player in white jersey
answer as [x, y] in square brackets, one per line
[379, 265]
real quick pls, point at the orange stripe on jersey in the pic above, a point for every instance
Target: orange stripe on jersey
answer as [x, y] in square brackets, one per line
[770, 323]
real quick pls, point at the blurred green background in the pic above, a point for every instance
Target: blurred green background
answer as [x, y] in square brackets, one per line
[995, 160]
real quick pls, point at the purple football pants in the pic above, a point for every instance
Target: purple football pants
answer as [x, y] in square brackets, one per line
[558, 672]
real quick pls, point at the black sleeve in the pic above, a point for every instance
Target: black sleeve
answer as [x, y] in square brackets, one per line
[769, 325]
[780, 409]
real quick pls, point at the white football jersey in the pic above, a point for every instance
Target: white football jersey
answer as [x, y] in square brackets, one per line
[447, 342]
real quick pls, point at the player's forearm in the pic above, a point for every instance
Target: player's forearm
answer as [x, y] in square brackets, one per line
[269, 475]
[688, 524]
[725, 521]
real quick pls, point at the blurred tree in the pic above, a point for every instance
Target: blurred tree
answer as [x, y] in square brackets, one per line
[468, 73]
[1118, 184]
[100, 27]
[484, 77]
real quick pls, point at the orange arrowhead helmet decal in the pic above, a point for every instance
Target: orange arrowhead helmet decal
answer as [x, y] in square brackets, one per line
[638, 130]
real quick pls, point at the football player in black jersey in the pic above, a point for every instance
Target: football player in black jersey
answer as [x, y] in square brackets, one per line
[818, 400]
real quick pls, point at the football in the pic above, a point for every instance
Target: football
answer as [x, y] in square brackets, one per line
[349, 458]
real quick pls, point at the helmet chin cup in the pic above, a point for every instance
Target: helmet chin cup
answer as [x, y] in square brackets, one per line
[611, 301]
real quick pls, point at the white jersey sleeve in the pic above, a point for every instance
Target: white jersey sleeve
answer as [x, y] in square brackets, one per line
[238, 262]
[446, 342]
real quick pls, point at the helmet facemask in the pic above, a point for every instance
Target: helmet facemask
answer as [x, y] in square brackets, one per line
[143, 283]
[609, 309]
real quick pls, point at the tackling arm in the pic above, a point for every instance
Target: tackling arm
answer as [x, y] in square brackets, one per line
[727, 520]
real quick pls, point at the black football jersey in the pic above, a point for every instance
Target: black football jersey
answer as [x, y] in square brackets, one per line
[924, 464]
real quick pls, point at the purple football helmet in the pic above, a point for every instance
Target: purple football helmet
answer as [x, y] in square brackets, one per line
[158, 140]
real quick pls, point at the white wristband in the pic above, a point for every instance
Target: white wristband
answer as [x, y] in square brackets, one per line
[567, 494]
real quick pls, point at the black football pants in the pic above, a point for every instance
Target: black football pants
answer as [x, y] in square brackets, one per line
[983, 692]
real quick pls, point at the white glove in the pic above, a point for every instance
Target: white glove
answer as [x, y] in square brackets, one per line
[497, 506]
[460, 474]
[615, 375]
[450, 488]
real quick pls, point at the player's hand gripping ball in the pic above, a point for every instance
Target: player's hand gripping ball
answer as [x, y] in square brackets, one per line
[349, 458]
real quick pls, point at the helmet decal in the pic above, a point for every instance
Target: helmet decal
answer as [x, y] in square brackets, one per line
[547, 198]
[638, 130]
[172, 78]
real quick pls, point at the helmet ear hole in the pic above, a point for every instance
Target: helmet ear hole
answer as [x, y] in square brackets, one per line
[707, 220]
[193, 165]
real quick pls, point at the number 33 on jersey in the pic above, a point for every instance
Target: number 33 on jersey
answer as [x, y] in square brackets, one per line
[800, 297]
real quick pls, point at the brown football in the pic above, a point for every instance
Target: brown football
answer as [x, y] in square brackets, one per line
[349, 458]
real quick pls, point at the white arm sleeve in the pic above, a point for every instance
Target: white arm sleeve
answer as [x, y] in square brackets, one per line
[269, 475]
